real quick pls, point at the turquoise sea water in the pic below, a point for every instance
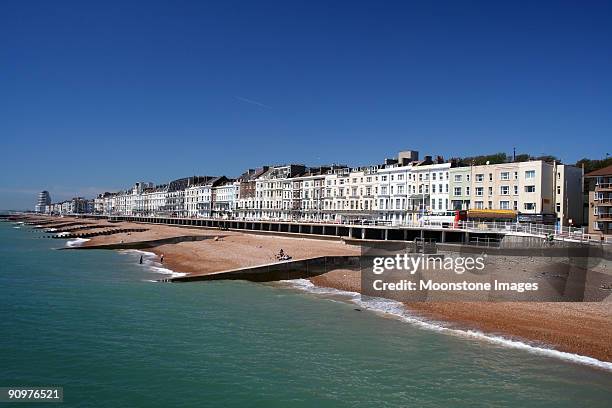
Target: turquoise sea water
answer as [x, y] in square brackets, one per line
[89, 321]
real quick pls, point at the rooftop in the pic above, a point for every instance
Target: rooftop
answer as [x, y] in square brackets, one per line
[605, 171]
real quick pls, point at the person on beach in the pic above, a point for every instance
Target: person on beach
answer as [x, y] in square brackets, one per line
[162, 258]
[140, 259]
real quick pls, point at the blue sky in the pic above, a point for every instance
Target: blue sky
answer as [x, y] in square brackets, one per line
[96, 95]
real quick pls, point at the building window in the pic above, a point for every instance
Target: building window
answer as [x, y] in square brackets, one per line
[558, 207]
[467, 190]
[504, 205]
[530, 174]
[458, 178]
[478, 205]
[479, 191]
[433, 176]
[558, 189]
[530, 206]
[490, 190]
[490, 206]
[457, 191]
[505, 175]
[504, 190]
[530, 189]
[515, 190]
[479, 178]
[515, 206]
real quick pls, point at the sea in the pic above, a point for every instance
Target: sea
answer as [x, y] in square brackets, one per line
[97, 324]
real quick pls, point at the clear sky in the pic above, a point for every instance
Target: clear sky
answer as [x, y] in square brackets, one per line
[97, 95]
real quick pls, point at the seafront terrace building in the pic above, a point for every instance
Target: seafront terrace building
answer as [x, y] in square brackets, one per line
[308, 191]
[175, 195]
[149, 200]
[350, 194]
[225, 199]
[247, 193]
[274, 192]
[599, 183]
[459, 186]
[199, 196]
[535, 189]
[428, 183]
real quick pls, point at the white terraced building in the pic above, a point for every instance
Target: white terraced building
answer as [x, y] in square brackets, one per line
[225, 199]
[151, 200]
[199, 196]
[195, 198]
[350, 194]
[308, 193]
[429, 190]
[392, 193]
[274, 192]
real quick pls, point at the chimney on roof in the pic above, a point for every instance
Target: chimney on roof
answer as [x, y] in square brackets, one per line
[390, 161]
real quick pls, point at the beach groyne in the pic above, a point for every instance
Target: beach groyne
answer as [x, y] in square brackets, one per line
[149, 243]
[97, 233]
[277, 271]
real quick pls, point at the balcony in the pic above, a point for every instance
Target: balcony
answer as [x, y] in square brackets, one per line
[603, 187]
[604, 216]
[603, 201]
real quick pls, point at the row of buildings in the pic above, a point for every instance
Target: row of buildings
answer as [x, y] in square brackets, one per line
[76, 205]
[400, 191]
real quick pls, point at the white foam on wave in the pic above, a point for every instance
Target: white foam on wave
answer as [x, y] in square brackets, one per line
[398, 310]
[77, 242]
[17, 227]
[149, 261]
[50, 229]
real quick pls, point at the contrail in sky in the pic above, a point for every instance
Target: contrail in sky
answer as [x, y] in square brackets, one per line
[252, 102]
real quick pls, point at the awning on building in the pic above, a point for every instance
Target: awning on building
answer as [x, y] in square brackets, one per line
[491, 214]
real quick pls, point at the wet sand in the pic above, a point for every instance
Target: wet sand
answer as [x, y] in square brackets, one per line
[581, 328]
